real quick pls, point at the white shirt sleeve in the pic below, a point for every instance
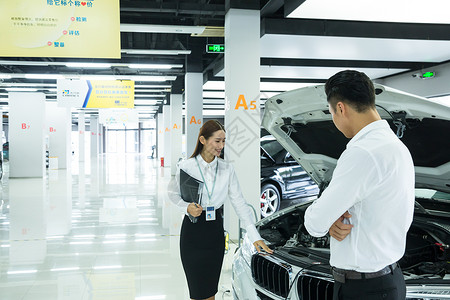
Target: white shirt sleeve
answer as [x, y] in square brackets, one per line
[174, 192]
[354, 173]
[241, 207]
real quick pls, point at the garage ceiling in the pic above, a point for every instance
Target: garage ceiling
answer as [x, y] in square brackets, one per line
[302, 43]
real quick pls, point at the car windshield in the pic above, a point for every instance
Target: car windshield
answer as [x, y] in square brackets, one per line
[272, 147]
[432, 195]
[432, 202]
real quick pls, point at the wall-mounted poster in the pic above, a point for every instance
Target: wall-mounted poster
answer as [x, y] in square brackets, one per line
[80, 93]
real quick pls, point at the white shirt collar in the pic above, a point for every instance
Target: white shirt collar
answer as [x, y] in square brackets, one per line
[368, 128]
[204, 163]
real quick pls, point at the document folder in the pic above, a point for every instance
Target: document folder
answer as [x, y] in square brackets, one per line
[191, 190]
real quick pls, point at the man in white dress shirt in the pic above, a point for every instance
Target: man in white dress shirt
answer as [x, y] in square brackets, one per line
[369, 203]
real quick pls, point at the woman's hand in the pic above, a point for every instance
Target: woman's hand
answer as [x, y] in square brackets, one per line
[194, 209]
[261, 245]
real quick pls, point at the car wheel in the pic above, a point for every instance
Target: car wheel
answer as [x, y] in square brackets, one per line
[270, 200]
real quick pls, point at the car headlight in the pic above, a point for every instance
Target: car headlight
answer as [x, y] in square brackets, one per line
[247, 250]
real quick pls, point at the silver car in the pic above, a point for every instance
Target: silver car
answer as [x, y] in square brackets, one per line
[299, 267]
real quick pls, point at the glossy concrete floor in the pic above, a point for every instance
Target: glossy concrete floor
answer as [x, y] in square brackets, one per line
[102, 230]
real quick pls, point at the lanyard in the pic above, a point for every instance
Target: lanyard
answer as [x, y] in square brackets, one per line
[215, 177]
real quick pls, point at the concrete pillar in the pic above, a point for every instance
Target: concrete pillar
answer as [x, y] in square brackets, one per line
[176, 130]
[100, 139]
[194, 93]
[160, 136]
[81, 134]
[103, 139]
[242, 111]
[176, 117]
[166, 128]
[26, 130]
[59, 128]
[94, 128]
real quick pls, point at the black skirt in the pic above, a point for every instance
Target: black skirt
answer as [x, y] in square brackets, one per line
[202, 247]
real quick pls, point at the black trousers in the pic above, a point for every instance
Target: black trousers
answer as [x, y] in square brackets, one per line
[388, 287]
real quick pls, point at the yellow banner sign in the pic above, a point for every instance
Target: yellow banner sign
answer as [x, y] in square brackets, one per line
[60, 28]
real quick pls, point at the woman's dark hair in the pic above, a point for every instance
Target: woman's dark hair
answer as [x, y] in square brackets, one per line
[352, 87]
[207, 130]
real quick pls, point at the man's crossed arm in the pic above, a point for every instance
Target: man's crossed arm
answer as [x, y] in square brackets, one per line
[339, 230]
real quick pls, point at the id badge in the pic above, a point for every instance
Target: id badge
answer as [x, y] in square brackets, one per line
[210, 213]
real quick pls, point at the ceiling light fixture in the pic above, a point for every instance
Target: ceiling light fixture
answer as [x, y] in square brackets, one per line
[125, 77]
[150, 96]
[211, 112]
[152, 86]
[48, 85]
[43, 76]
[21, 90]
[93, 77]
[146, 109]
[88, 65]
[152, 78]
[155, 52]
[25, 63]
[150, 28]
[153, 66]
[146, 102]
[151, 91]
[98, 77]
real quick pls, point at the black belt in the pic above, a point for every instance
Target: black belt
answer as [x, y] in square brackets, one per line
[340, 275]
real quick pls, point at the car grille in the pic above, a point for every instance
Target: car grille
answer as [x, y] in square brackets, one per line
[271, 275]
[310, 287]
[262, 296]
[428, 292]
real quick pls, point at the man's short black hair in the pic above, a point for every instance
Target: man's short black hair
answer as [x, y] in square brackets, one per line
[352, 87]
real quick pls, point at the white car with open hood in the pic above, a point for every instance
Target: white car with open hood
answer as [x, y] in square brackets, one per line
[299, 268]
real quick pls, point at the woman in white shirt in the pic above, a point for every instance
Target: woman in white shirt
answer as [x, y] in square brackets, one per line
[202, 244]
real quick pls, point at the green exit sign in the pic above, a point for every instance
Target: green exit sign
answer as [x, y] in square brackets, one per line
[215, 48]
[428, 75]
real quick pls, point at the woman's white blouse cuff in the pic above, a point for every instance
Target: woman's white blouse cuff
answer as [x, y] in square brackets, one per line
[252, 233]
[183, 206]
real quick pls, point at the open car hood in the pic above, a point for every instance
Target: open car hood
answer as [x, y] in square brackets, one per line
[300, 121]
